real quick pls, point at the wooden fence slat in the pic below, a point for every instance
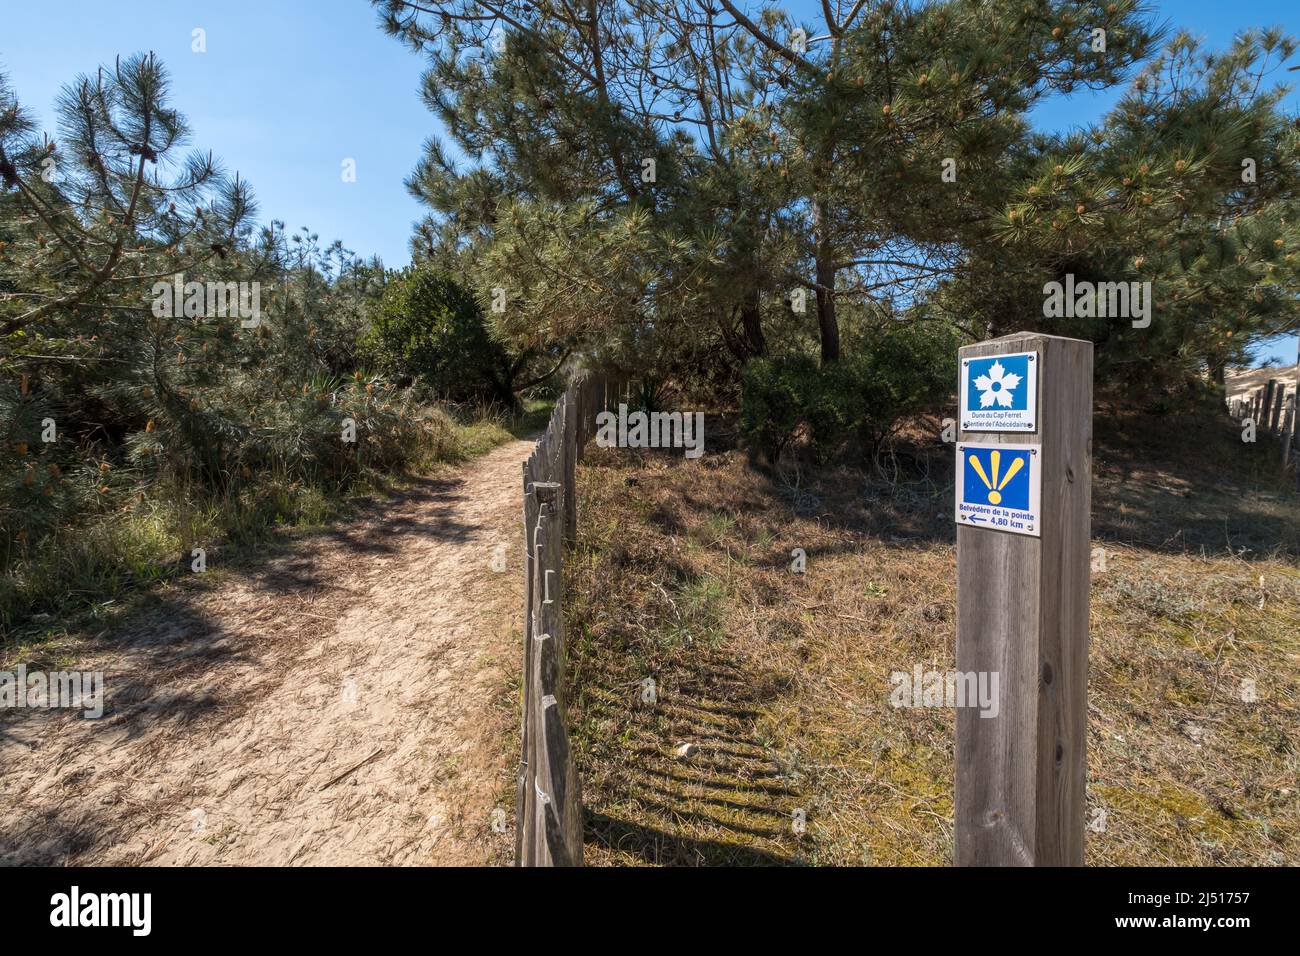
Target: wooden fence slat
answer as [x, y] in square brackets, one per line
[524, 798]
[540, 775]
[557, 772]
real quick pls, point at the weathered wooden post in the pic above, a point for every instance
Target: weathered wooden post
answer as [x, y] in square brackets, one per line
[1295, 429]
[558, 802]
[1024, 496]
[534, 493]
[569, 439]
[1288, 427]
[1266, 406]
[1275, 413]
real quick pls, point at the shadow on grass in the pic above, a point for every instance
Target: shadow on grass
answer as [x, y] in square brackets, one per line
[727, 803]
[661, 848]
[1186, 484]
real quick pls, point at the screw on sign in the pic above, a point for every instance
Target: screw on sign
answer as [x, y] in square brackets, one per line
[999, 393]
[999, 486]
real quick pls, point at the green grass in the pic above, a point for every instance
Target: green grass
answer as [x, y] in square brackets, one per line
[484, 431]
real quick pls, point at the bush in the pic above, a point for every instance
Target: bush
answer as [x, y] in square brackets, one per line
[897, 371]
[430, 329]
[903, 369]
[776, 396]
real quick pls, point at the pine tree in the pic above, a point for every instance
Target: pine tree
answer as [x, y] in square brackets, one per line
[114, 396]
[1190, 184]
[786, 154]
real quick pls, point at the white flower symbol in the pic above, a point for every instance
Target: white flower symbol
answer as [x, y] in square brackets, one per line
[996, 386]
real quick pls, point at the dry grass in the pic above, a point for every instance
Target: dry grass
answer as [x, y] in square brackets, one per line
[682, 575]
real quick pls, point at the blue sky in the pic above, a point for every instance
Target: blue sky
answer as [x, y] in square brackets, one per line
[286, 91]
[289, 89]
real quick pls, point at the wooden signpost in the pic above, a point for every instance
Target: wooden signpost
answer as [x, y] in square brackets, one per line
[1023, 572]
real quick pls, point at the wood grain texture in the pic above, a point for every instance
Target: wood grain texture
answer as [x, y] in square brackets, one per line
[569, 419]
[1022, 610]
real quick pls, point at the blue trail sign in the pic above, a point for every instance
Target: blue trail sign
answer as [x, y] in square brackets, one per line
[999, 393]
[999, 487]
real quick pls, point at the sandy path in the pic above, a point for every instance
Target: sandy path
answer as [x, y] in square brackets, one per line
[235, 712]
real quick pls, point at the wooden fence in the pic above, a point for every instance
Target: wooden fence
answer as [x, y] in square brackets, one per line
[548, 819]
[1275, 414]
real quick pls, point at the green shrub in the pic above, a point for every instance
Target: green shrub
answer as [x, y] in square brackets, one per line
[896, 371]
[836, 409]
[430, 329]
[902, 370]
[775, 399]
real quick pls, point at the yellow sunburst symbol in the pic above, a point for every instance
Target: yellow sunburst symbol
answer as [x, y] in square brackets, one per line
[995, 486]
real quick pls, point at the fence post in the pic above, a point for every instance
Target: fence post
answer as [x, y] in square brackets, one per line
[539, 780]
[524, 794]
[1022, 612]
[559, 804]
[1288, 427]
[1275, 415]
[536, 494]
[570, 441]
[1295, 428]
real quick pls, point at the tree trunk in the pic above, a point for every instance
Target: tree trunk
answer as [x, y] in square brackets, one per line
[751, 321]
[827, 323]
[1218, 367]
